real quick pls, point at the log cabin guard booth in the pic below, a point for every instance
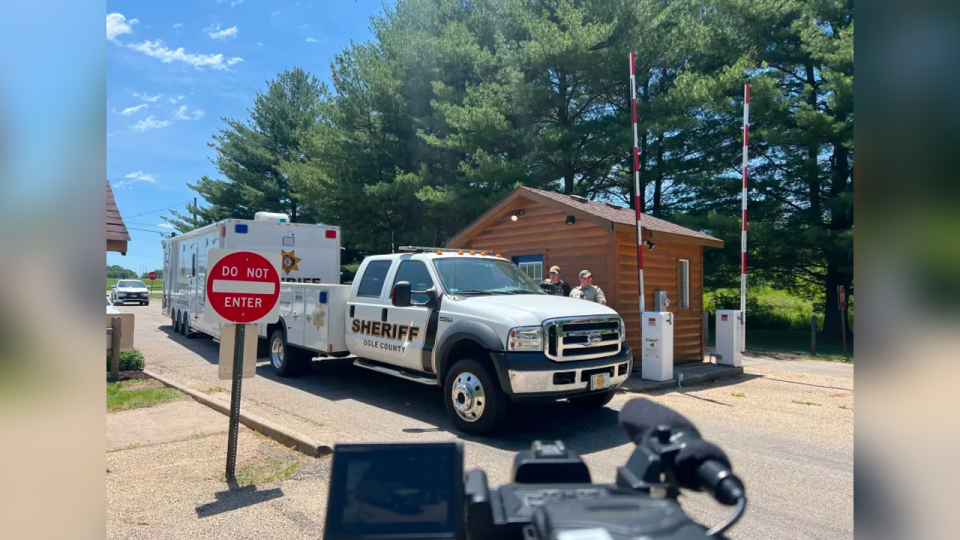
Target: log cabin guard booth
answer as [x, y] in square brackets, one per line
[538, 229]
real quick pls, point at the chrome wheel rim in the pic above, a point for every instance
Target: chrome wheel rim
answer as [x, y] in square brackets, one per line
[276, 353]
[468, 397]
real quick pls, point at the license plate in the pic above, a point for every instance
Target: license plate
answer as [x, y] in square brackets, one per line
[598, 381]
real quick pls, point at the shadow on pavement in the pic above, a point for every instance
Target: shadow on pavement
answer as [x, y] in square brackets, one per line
[584, 431]
[236, 497]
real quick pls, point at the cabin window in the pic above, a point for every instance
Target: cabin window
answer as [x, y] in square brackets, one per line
[415, 273]
[684, 285]
[532, 265]
[371, 285]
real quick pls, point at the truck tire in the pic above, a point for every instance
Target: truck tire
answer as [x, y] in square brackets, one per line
[593, 401]
[473, 397]
[285, 360]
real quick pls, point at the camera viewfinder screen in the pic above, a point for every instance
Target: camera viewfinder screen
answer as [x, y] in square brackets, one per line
[396, 490]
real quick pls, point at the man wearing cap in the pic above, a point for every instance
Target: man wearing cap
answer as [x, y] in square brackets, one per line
[555, 285]
[587, 290]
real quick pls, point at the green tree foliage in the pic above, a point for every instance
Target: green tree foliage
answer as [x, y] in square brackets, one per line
[116, 271]
[250, 155]
[453, 103]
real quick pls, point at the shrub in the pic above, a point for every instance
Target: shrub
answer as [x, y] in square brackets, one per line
[766, 308]
[130, 361]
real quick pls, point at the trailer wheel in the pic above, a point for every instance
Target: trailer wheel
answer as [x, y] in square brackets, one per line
[474, 400]
[175, 319]
[286, 361]
[184, 324]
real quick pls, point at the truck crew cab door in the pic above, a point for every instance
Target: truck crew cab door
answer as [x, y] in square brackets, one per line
[367, 309]
[415, 326]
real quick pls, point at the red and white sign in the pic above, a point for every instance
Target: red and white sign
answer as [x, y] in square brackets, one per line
[242, 287]
[841, 298]
[152, 276]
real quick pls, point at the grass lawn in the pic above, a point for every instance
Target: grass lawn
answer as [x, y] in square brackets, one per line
[157, 283]
[138, 393]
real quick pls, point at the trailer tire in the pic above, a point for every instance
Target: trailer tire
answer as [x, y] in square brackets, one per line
[286, 361]
[184, 324]
[474, 399]
[175, 319]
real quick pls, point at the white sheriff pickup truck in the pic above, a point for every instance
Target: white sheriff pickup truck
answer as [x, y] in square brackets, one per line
[472, 323]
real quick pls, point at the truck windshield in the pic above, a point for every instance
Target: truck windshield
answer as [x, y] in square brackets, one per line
[468, 275]
[132, 284]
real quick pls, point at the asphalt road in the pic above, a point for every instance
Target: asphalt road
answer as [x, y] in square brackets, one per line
[788, 433]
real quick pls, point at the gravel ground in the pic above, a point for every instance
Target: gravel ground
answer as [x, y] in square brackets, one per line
[175, 490]
[790, 435]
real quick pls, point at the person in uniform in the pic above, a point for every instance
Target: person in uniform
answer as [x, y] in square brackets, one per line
[587, 290]
[555, 285]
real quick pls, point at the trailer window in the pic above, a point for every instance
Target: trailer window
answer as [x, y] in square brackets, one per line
[194, 265]
[415, 272]
[373, 278]
[288, 240]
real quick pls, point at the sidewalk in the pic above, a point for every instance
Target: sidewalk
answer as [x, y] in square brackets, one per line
[164, 479]
[693, 373]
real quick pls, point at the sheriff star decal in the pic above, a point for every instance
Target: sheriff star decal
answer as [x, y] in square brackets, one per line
[318, 316]
[289, 261]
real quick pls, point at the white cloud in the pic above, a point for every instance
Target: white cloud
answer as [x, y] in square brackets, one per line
[147, 98]
[156, 49]
[177, 25]
[150, 122]
[275, 14]
[165, 225]
[260, 43]
[184, 113]
[174, 99]
[216, 33]
[311, 40]
[232, 2]
[117, 25]
[142, 176]
[130, 110]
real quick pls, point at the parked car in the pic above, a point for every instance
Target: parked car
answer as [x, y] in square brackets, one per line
[130, 290]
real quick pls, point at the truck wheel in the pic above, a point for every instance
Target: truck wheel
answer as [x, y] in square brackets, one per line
[285, 360]
[474, 400]
[593, 401]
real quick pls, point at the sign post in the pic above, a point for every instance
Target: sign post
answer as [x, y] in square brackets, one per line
[242, 289]
[152, 276]
[842, 304]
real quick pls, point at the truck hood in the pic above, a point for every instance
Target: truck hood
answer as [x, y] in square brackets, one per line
[531, 309]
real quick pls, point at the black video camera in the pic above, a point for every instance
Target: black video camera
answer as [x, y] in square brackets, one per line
[418, 490]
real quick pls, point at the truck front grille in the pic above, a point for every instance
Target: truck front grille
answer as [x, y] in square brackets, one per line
[582, 338]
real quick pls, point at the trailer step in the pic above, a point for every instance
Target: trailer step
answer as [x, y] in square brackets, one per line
[397, 372]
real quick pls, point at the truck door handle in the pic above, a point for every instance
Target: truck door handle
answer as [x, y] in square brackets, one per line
[351, 311]
[383, 315]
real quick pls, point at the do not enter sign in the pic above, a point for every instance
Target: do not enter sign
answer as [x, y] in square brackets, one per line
[242, 287]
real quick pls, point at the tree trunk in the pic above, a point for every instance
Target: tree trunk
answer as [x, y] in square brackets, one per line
[839, 259]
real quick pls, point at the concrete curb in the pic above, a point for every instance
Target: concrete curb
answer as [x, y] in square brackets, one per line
[640, 386]
[280, 434]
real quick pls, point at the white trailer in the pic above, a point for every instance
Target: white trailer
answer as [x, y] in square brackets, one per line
[309, 254]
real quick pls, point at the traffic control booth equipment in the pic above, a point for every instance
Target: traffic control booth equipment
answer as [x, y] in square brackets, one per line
[538, 229]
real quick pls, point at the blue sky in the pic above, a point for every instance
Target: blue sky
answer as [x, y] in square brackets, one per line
[175, 68]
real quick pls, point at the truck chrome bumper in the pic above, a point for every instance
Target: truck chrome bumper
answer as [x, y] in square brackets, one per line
[533, 375]
[536, 382]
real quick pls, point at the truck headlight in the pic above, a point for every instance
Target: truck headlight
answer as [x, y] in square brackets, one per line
[525, 338]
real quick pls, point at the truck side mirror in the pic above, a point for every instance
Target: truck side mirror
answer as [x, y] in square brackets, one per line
[401, 294]
[432, 298]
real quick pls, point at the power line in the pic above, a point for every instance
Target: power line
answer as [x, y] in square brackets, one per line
[160, 210]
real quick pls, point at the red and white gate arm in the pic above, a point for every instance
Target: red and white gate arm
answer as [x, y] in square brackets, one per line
[636, 179]
[743, 231]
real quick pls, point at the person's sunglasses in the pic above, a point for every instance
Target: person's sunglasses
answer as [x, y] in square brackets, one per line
[554, 273]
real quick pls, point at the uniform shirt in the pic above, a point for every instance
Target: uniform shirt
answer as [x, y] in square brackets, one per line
[591, 293]
[561, 288]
